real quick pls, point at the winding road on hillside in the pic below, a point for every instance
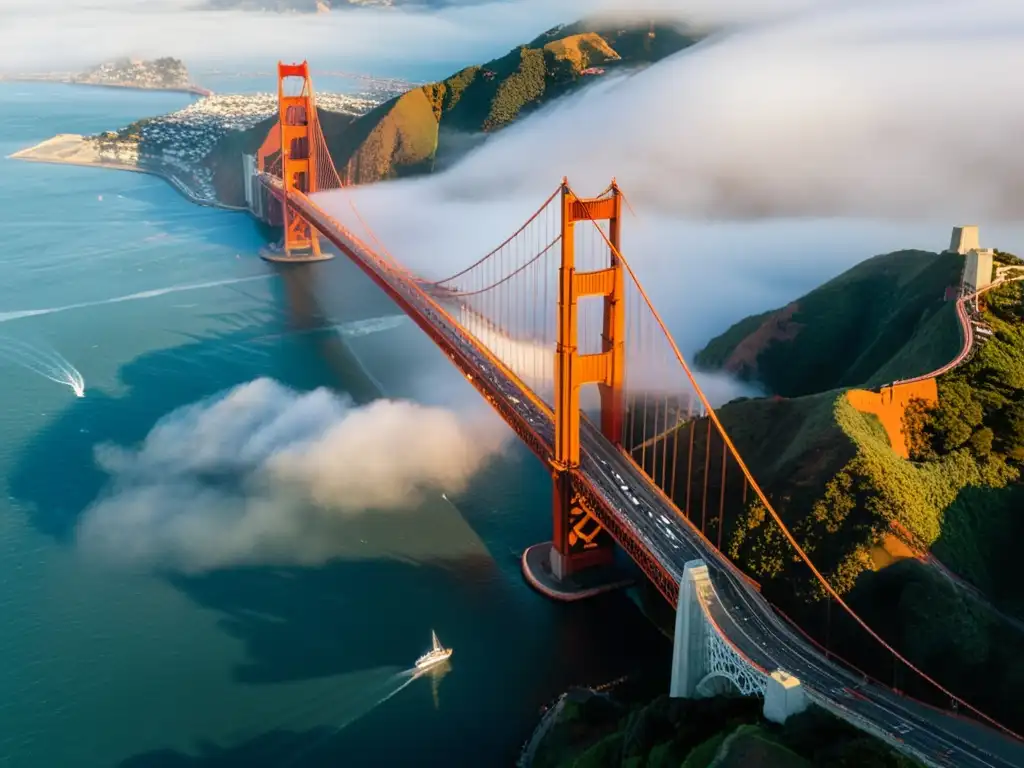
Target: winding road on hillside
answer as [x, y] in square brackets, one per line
[923, 551]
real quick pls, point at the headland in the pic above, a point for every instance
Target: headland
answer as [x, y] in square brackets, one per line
[179, 146]
[165, 74]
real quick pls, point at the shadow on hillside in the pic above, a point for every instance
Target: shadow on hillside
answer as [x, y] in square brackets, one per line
[942, 631]
[978, 542]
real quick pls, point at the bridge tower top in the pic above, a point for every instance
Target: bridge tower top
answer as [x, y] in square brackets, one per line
[607, 367]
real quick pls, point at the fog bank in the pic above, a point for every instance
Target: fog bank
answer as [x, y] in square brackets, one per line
[265, 475]
[760, 162]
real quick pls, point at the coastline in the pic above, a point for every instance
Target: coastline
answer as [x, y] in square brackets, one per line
[547, 721]
[46, 152]
[193, 89]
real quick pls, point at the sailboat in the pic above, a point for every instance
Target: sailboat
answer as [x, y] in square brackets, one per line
[435, 655]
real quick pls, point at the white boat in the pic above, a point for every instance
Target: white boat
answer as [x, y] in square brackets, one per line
[435, 655]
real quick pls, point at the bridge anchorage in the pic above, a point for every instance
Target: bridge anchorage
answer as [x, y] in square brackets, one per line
[705, 663]
[643, 462]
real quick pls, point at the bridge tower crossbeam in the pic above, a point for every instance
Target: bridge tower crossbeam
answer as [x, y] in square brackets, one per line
[579, 542]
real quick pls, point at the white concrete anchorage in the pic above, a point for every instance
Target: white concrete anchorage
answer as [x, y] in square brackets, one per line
[704, 664]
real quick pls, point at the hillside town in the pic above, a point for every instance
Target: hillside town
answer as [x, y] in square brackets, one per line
[176, 144]
[165, 73]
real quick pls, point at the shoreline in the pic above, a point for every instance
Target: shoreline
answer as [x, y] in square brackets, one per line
[193, 89]
[36, 154]
[540, 732]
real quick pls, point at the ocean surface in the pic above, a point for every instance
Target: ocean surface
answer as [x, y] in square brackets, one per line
[303, 659]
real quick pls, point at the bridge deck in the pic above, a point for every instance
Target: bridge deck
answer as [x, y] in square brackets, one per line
[652, 532]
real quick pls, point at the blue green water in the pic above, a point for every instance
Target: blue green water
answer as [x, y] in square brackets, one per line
[159, 304]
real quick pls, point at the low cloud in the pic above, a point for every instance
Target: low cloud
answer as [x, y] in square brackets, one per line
[411, 40]
[883, 109]
[266, 475]
[760, 162]
[82, 32]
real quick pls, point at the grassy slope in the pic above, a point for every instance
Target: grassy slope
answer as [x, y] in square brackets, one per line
[884, 317]
[955, 502]
[430, 126]
[407, 134]
[831, 474]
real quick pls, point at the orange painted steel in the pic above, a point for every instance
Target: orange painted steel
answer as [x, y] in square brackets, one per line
[572, 487]
[573, 370]
[301, 201]
[778, 520]
[298, 125]
[271, 145]
[573, 481]
[583, 492]
[606, 368]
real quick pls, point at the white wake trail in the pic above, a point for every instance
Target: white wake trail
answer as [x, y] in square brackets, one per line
[371, 325]
[43, 361]
[23, 313]
[411, 676]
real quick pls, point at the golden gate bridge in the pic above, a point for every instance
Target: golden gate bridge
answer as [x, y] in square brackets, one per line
[643, 462]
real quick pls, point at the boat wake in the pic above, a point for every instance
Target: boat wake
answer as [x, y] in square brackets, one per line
[46, 362]
[23, 313]
[371, 325]
[394, 685]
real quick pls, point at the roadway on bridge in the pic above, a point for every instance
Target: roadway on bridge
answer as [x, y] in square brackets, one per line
[744, 616]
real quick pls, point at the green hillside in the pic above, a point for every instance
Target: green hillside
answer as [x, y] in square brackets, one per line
[831, 474]
[431, 126]
[407, 134]
[885, 318]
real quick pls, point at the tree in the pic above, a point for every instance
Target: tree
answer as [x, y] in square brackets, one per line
[981, 442]
[955, 418]
[1011, 433]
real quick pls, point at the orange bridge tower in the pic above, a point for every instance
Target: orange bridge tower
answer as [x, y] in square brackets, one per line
[298, 132]
[579, 542]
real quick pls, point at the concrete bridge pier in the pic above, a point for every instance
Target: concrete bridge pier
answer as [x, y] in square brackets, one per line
[784, 696]
[545, 570]
[689, 641]
[704, 664]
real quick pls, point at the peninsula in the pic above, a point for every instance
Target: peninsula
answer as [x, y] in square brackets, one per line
[164, 74]
[177, 147]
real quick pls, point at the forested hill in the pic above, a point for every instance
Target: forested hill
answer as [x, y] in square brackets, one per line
[853, 503]
[884, 319]
[431, 126]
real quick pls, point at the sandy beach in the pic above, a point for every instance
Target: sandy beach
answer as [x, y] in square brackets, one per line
[70, 149]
